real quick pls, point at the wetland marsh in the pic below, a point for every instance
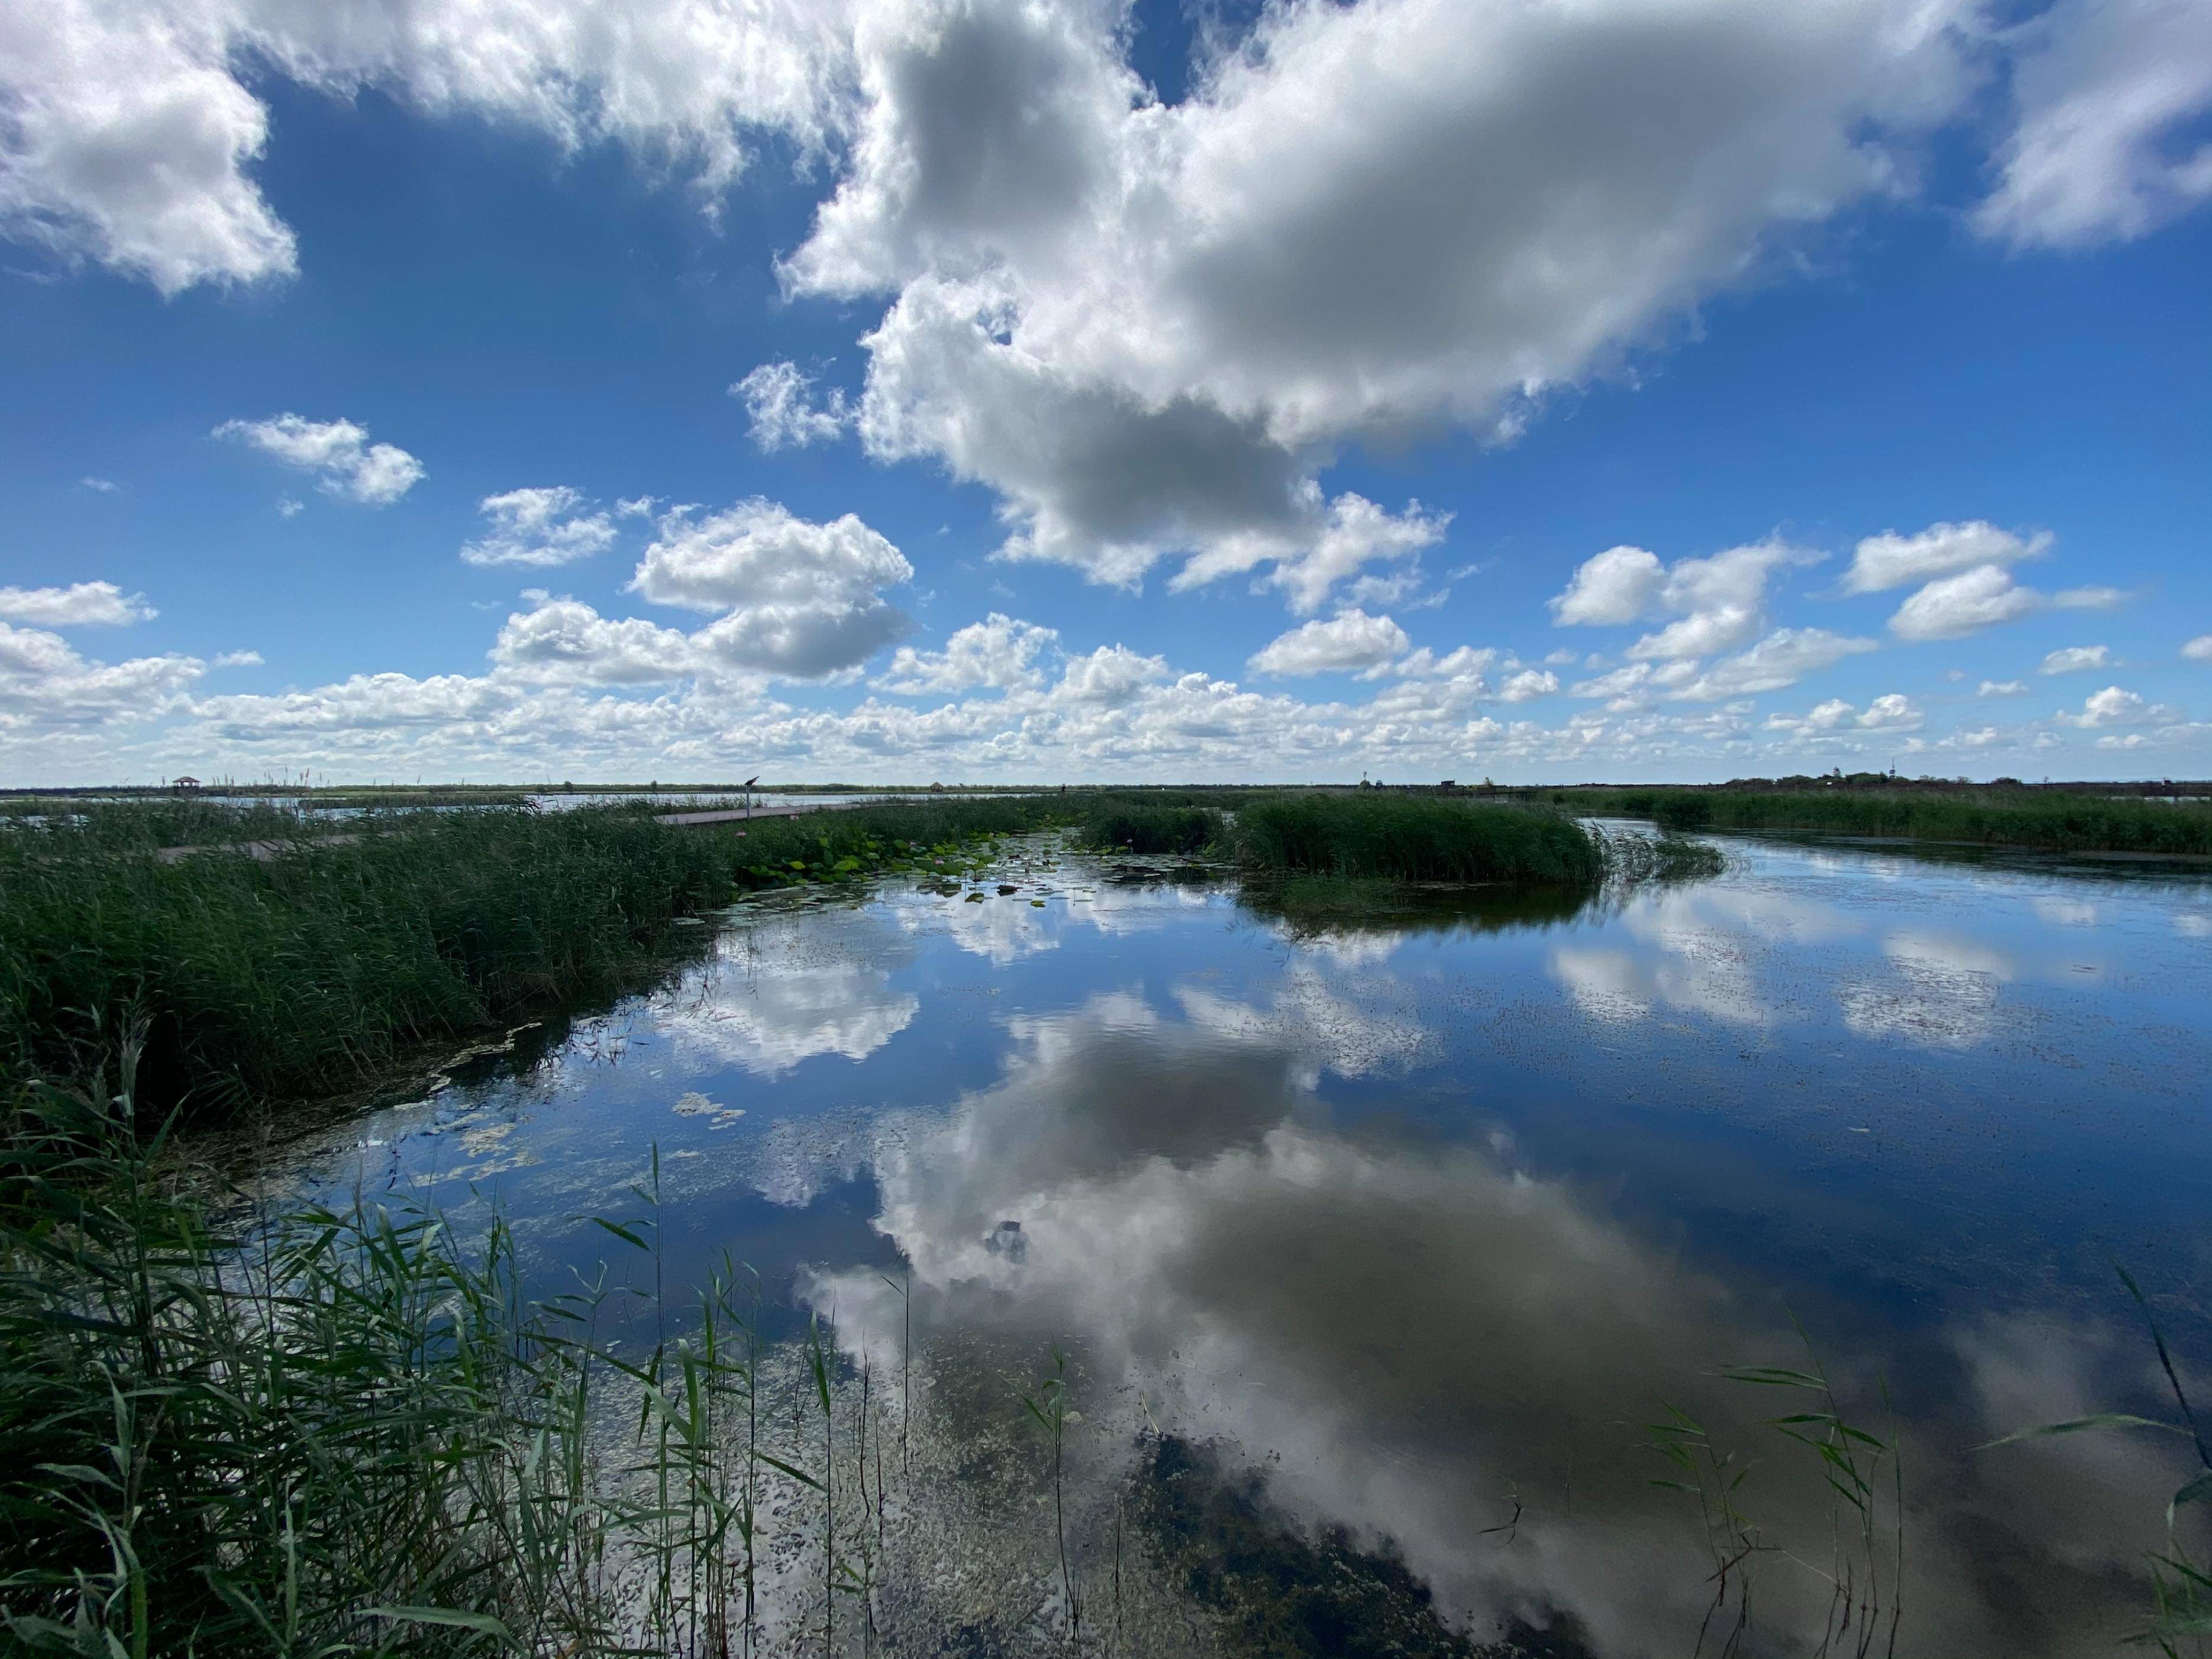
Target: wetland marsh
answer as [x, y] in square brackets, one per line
[1402, 1231]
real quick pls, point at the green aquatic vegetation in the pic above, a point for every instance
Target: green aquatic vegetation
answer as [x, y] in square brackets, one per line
[341, 1431]
[2180, 1619]
[1864, 1474]
[265, 980]
[853, 843]
[1664, 859]
[2064, 823]
[1147, 827]
[1271, 1588]
[1047, 1405]
[1410, 838]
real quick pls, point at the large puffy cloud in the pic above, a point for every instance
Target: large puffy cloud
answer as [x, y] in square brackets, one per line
[1619, 585]
[2109, 143]
[347, 463]
[1147, 327]
[1350, 640]
[999, 652]
[126, 138]
[798, 598]
[1110, 676]
[81, 605]
[131, 130]
[544, 525]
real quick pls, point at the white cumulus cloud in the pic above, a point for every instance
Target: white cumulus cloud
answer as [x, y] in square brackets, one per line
[1351, 639]
[2073, 658]
[780, 403]
[1985, 597]
[999, 652]
[798, 598]
[541, 526]
[1717, 603]
[2109, 143]
[2199, 649]
[564, 640]
[1891, 560]
[1148, 327]
[339, 452]
[2114, 706]
[81, 605]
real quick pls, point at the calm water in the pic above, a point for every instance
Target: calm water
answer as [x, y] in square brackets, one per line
[1425, 1222]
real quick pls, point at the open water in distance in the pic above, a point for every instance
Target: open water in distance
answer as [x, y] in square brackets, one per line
[1424, 1222]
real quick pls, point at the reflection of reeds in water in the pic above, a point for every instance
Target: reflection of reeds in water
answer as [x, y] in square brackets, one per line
[1865, 1478]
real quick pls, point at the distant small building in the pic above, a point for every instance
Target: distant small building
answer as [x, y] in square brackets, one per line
[184, 786]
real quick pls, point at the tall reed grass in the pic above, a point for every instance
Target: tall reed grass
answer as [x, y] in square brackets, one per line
[1409, 838]
[339, 1431]
[2067, 824]
[308, 973]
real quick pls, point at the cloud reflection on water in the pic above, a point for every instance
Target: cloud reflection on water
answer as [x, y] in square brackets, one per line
[1416, 1336]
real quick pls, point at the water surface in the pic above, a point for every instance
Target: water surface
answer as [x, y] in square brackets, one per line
[1425, 1219]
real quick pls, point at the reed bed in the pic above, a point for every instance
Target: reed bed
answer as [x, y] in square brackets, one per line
[306, 974]
[2063, 823]
[1140, 826]
[1407, 838]
[341, 1432]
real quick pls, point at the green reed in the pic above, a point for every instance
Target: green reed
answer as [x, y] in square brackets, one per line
[2068, 822]
[2181, 1583]
[1864, 1474]
[1415, 838]
[339, 1431]
[307, 972]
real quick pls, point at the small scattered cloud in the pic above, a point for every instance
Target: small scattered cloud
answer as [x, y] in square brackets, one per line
[780, 403]
[1717, 603]
[2199, 649]
[1350, 641]
[1528, 685]
[1964, 604]
[81, 605]
[1890, 560]
[2074, 658]
[540, 526]
[2114, 706]
[239, 659]
[1894, 712]
[99, 486]
[1985, 597]
[289, 507]
[350, 466]
[2003, 689]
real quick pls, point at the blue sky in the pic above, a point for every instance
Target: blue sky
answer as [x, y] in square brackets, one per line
[982, 389]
